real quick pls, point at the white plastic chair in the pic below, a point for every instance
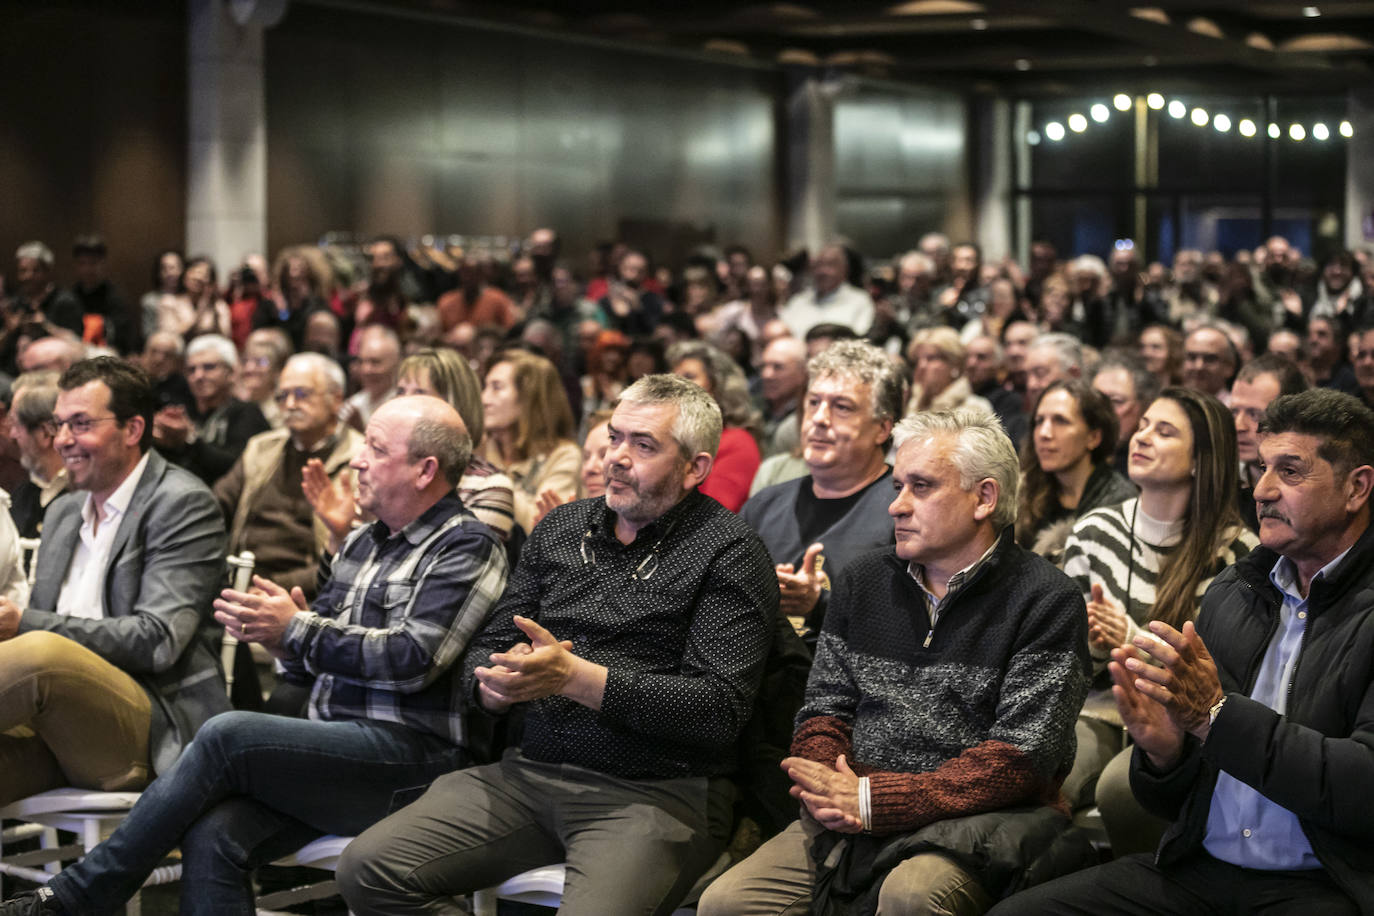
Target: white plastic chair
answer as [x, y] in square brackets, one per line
[322, 853]
[91, 815]
[543, 886]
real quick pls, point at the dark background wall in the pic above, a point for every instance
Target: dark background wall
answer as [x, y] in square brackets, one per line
[380, 124]
[93, 131]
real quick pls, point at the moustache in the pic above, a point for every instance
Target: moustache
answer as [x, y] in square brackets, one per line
[1271, 512]
[619, 477]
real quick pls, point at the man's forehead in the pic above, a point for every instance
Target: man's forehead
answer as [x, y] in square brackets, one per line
[94, 393]
[927, 457]
[834, 384]
[631, 419]
[1299, 446]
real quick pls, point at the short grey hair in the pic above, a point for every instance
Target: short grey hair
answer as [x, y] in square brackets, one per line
[36, 251]
[332, 372]
[447, 443]
[178, 342]
[35, 397]
[861, 361]
[222, 347]
[698, 423]
[1068, 348]
[982, 450]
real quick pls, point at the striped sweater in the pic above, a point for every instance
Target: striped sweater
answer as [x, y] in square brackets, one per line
[1101, 551]
[978, 716]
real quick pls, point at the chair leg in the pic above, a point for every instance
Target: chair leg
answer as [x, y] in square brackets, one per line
[484, 902]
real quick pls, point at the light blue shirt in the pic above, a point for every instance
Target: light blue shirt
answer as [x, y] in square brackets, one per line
[1243, 827]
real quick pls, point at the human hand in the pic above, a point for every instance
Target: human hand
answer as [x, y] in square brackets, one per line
[1106, 621]
[332, 500]
[261, 614]
[546, 502]
[1292, 302]
[527, 671]
[1185, 682]
[171, 426]
[1146, 720]
[831, 796]
[801, 590]
[9, 619]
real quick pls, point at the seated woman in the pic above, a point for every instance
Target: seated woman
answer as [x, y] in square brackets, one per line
[937, 383]
[738, 457]
[1066, 466]
[1151, 558]
[529, 431]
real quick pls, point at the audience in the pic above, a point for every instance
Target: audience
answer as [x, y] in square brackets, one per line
[31, 427]
[737, 459]
[1210, 361]
[831, 299]
[782, 378]
[1125, 382]
[379, 353]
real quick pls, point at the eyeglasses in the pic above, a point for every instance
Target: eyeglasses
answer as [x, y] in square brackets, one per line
[80, 425]
[300, 394]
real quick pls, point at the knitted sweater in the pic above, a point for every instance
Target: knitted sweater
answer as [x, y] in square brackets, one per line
[980, 719]
[1101, 551]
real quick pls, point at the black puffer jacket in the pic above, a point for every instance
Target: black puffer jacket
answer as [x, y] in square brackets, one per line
[1318, 760]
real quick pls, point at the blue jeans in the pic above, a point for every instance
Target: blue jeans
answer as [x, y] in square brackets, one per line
[251, 788]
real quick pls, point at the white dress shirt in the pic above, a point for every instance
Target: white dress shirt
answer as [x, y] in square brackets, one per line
[84, 585]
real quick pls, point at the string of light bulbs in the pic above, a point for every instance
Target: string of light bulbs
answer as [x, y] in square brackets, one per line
[1055, 131]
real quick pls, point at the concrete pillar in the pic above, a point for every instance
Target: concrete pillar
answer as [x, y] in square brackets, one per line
[992, 180]
[226, 199]
[809, 183]
[1359, 169]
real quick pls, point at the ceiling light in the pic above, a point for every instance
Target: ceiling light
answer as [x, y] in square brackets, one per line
[1199, 117]
[1122, 101]
[1222, 123]
[1022, 64]
[1247, 127]
[1346, 130]
[1296, 132]
[1275, 132]
[1099, 113]
[1320, 132]
[1077, 123]
[1033, 137]
[1055, 131]
[1311, 12]
[1155, 101]
[1177, 109]
[978, 25]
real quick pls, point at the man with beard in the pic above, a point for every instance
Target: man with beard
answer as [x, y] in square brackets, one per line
[632, 636]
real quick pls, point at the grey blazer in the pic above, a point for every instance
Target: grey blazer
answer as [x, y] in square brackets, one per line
[165, 569]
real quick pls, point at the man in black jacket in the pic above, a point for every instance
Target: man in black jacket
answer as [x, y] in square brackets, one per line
[1261, 749]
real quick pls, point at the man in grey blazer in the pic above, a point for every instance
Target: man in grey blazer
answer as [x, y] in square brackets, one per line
[109, 671]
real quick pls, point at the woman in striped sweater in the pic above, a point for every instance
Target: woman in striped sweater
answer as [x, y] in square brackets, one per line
[1151, 558]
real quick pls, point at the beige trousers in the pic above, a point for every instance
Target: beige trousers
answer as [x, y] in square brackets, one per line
[777, 879]
[68, 718]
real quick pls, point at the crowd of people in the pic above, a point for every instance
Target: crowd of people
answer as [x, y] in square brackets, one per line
[874, 576]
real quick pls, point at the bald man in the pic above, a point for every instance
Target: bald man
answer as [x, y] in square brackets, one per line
[379, 645]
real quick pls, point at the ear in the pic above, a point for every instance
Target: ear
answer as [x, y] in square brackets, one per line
[884, 430]
[1094, 439]
[133, 431]
[698, 467]
[426, 472]
[988, 493]
[1357, 487]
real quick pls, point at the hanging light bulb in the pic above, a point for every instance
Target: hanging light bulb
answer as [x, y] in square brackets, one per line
[1055, 131]
[1346, 130]
[1246, 127]
[1320, 132]
[1199, 117]
[1296, 132]
[1122, 101]
[1155, 101]
[1077, 123]
[1274, 132]
[1033, 137]
[1099, 113]
[1177, 109]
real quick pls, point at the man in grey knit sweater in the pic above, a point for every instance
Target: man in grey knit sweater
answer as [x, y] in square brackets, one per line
[938, 721]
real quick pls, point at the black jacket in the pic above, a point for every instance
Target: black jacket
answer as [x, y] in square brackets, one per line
[1318, 760]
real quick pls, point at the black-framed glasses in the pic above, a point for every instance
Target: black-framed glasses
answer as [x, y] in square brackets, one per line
[80, 425]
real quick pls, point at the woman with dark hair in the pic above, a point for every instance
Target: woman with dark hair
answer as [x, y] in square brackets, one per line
[166, 282]
[529, 431]
[197, 307]
[302, 283]
[737, 459]
[1066, 465]
[1151, 558]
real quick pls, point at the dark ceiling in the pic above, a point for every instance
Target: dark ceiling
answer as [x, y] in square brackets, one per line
[1009, 47]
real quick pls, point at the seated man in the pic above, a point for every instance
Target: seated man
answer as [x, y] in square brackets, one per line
[261, 495]
[379, 643]
[853, 396]
[209, 437]
[630, 730]
[944, 692]
[1253, 733]
[30, 426]
[107, 674]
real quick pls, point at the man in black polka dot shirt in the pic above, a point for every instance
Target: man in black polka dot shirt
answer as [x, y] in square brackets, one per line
[633, 637]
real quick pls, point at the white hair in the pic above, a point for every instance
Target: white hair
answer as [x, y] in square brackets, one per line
[331, 371]
[222, 347]
[981, 451]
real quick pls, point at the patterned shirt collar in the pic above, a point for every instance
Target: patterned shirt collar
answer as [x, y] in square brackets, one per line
[957, 581]
[420, 529]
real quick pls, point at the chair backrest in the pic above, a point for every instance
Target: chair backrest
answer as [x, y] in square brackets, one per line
[29, 548]
[241, 576]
